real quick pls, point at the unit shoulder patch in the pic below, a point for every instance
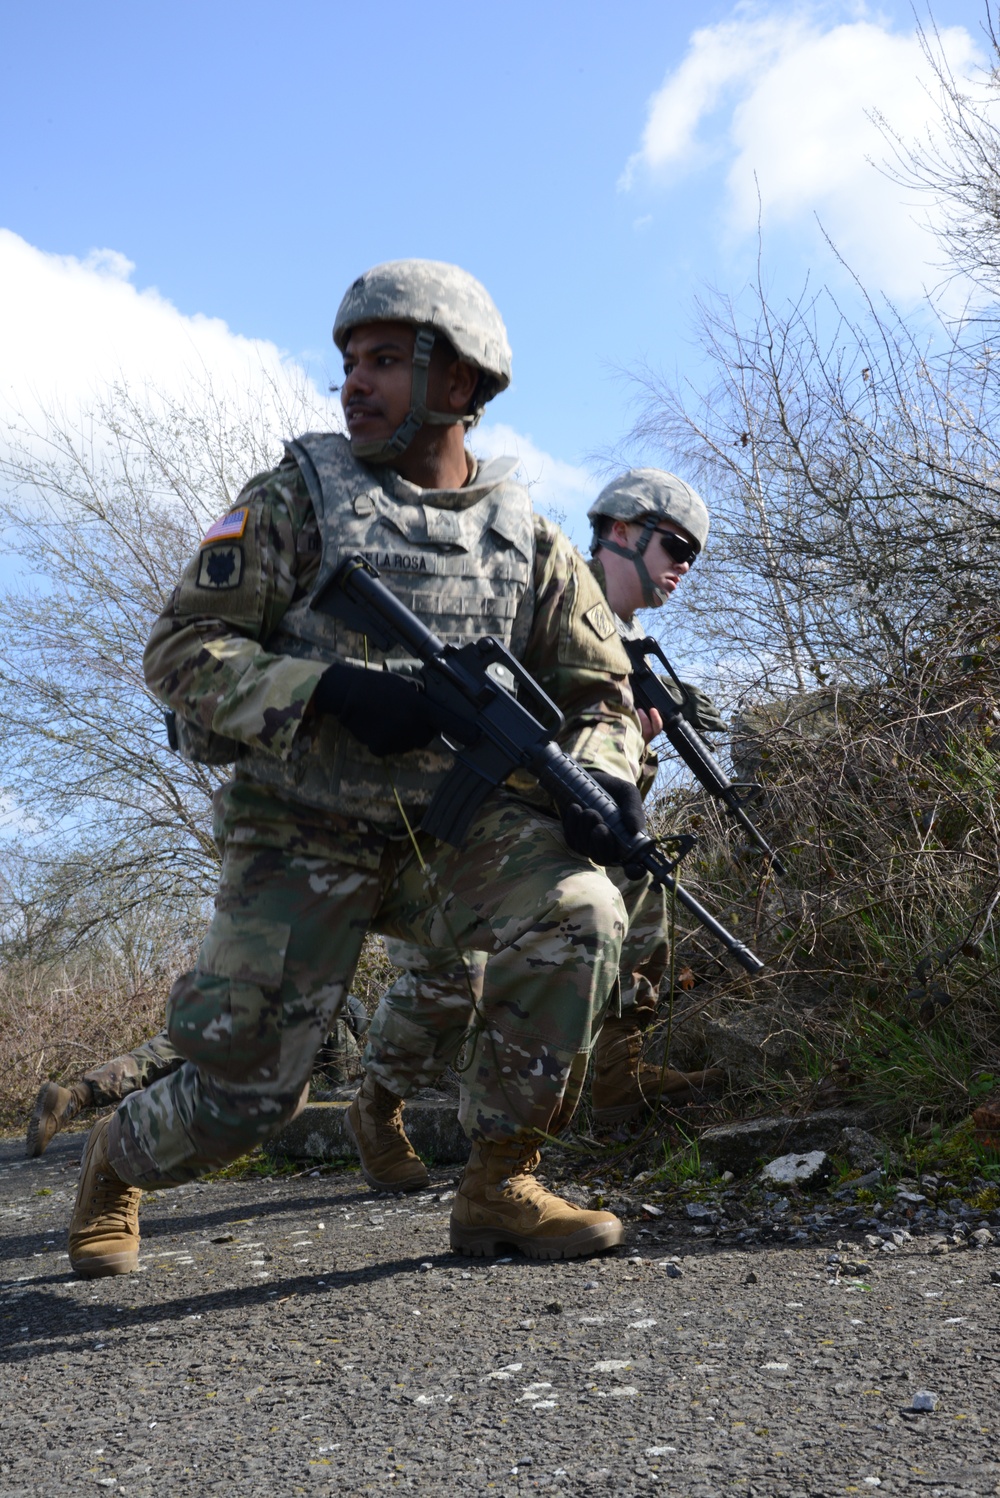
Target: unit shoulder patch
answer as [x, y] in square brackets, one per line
[598, 616]
[220, 567]
[229, 528]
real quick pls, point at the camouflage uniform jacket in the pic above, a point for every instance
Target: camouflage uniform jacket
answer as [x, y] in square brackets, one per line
[208, 656]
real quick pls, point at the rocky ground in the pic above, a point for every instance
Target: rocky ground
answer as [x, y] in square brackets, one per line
[297, 1334]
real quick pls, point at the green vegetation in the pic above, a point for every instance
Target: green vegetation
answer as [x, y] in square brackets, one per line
[259, 1165]
[883, 985]
[681, 1164]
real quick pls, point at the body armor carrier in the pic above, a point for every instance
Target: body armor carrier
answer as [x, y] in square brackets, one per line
[462, 560]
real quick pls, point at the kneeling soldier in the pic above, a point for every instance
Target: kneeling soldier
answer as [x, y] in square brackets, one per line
[336, 760]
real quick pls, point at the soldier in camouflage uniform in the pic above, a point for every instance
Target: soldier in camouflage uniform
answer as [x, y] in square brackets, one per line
[101, 1087]
[336, 760]
[648, 528]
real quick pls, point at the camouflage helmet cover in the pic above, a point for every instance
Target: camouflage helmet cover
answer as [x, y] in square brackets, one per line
[653, 491]
[432, 294]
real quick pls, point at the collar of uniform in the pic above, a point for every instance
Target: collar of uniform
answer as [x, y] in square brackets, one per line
[597, 568]
[627, 629]
[483, 477]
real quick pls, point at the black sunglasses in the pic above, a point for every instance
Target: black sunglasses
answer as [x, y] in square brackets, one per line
[676, 547]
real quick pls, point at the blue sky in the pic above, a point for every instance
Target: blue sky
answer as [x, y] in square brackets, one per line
[596, 166]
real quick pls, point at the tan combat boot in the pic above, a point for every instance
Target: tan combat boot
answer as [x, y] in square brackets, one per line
[500, 1205]
[624, 1087]
[375, 1123]
[104, 1228]
[54, 1107]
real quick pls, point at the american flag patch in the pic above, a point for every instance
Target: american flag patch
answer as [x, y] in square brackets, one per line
[229, 528]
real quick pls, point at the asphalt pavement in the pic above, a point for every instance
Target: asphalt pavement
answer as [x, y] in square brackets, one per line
[302, 1335]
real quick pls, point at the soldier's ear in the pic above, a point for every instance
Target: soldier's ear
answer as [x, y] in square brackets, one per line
[463, 380]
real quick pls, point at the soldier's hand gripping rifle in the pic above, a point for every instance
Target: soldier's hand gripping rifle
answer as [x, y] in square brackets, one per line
[499, 732]
[649, 692]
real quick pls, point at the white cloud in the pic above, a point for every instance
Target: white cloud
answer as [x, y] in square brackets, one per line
[784, 99]
[70, 328]
[560, 490]
[720, 59]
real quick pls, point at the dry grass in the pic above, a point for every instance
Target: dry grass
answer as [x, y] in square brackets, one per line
[59, 1019]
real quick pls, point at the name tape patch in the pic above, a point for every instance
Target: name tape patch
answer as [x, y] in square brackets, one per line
[229, 528]
[399, 561]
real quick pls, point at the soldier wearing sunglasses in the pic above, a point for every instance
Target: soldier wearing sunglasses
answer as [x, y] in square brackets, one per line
[648, 528]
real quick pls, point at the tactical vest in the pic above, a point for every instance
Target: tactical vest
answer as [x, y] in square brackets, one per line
[461, 559]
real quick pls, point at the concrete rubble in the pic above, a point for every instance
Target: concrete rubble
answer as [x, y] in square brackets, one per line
[318, 1133]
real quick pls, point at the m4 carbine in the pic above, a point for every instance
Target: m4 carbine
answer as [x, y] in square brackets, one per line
[499, 732]
[649, 692]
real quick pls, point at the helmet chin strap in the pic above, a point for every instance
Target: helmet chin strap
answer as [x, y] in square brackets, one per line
[418, 414]
[652, 596]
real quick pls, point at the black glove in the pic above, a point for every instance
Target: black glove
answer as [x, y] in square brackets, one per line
[697, 707]
[387, 711]
[588, 833]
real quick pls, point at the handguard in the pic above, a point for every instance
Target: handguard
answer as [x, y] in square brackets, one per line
[500, 730]
[649, 692]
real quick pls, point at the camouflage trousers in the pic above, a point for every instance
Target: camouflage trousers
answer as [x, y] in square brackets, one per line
[280, 954]
[115, 1079]
[433, 1009]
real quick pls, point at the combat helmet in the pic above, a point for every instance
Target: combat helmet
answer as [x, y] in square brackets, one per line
[437, 299]
[648, 495]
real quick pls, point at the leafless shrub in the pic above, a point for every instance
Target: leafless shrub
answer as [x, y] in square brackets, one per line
[103, 512]
[57, 1019]
[108, 862]
[955, 165]
[851, 468]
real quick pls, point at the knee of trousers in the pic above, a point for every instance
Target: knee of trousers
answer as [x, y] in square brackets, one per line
[422, 1034]
[235, 1118]
[590, 905]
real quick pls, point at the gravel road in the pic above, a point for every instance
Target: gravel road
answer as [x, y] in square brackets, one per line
[301, 1335]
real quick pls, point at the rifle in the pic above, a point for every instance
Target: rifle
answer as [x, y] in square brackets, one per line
[499, 731]
[649, 692]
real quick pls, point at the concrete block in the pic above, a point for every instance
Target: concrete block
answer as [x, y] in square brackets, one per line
[740, 1146]
[319, 1134]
